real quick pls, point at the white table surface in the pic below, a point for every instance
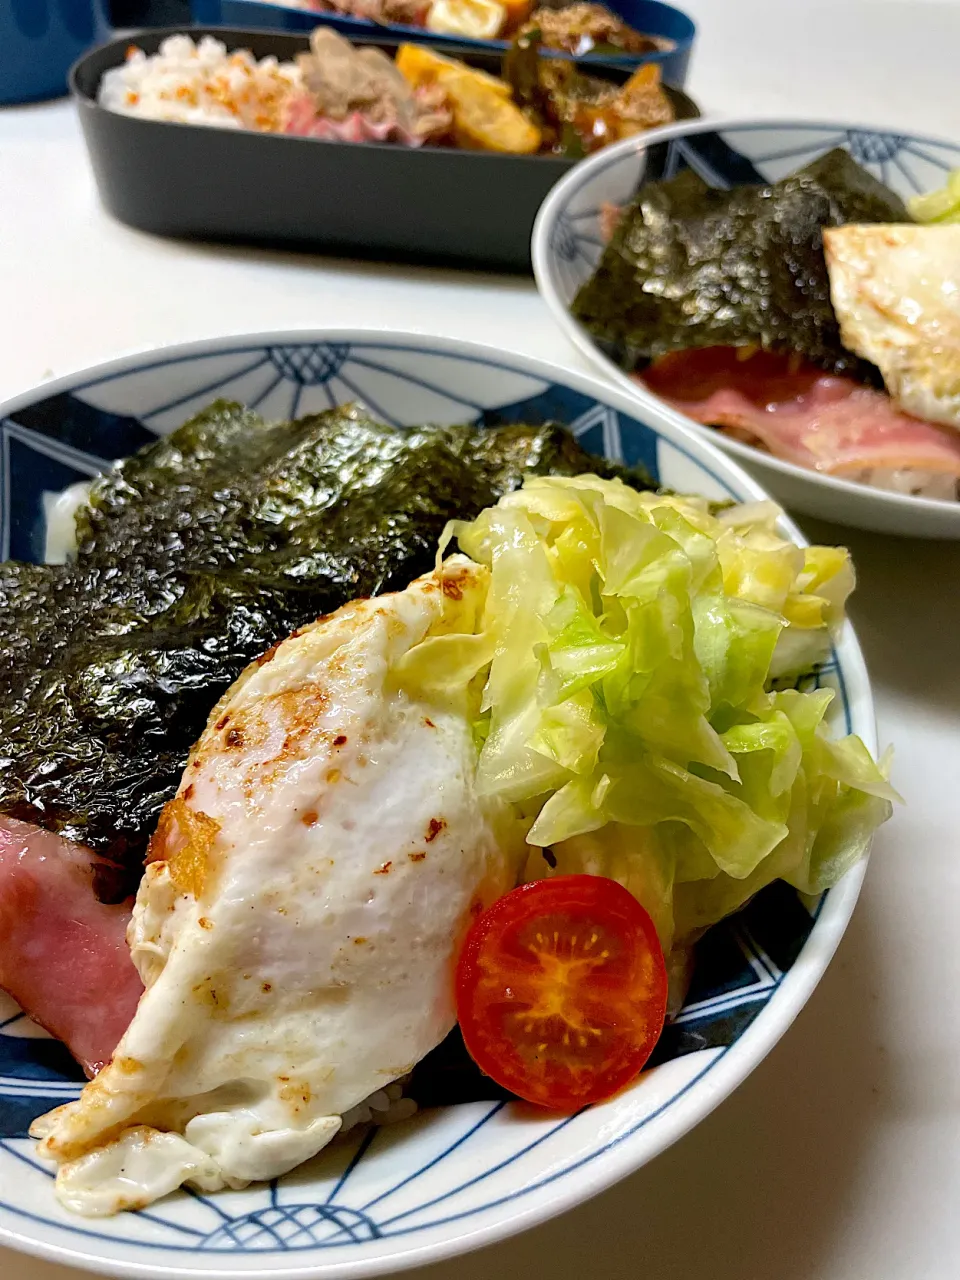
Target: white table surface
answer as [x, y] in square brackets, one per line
[839, 1159]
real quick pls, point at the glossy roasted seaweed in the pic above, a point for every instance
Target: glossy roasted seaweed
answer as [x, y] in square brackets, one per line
[691, 266]
[195, 555]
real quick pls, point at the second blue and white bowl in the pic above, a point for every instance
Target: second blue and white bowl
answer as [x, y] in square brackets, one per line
[568, 242]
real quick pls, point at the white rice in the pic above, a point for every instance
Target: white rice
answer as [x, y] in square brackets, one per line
[386, 1106]
[917, 482]
[61, 510]
[201, 83]
[910, 480]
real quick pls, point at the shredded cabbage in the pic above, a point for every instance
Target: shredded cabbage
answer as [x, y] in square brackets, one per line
[634, 706]
[942, 205]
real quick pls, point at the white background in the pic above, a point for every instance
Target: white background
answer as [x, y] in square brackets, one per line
[840, 1158]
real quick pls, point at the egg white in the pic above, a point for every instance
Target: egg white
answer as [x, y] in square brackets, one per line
[297, 929]
[896, 292]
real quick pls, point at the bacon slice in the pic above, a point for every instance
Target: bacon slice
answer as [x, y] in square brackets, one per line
[301, 119]
[610, 215]
[798, 413]
[63, 954]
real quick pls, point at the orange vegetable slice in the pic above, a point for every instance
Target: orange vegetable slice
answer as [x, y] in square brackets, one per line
[419, 66]
[485, 117]
[486, 121]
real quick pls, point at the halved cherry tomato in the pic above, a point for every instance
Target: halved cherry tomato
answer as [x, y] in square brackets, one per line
[562, 990]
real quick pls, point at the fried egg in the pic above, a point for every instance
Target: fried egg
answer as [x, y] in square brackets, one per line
[896, 292]
[301, 912]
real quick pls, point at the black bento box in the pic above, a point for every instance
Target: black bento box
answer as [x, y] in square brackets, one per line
[369, 200]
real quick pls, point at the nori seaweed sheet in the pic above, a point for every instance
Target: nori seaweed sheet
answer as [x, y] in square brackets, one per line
[691, 266]
[195, 555]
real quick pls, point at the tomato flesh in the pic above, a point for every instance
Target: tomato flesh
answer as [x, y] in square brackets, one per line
[562, 990]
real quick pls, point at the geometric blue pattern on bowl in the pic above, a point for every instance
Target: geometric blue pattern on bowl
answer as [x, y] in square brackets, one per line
[455, 1169]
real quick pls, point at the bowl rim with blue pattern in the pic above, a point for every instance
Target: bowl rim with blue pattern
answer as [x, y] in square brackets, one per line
[455, 1178]
[567, 242]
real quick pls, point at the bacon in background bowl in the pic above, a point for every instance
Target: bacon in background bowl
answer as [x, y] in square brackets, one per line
[796, 412]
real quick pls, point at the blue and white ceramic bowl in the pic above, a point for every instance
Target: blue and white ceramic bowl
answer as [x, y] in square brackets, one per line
[451, 1179]
[567, 243]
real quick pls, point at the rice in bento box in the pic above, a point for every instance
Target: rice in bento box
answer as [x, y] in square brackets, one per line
[200, 83]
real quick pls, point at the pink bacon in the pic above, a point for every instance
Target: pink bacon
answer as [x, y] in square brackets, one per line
[63, 954]
[799, 413]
